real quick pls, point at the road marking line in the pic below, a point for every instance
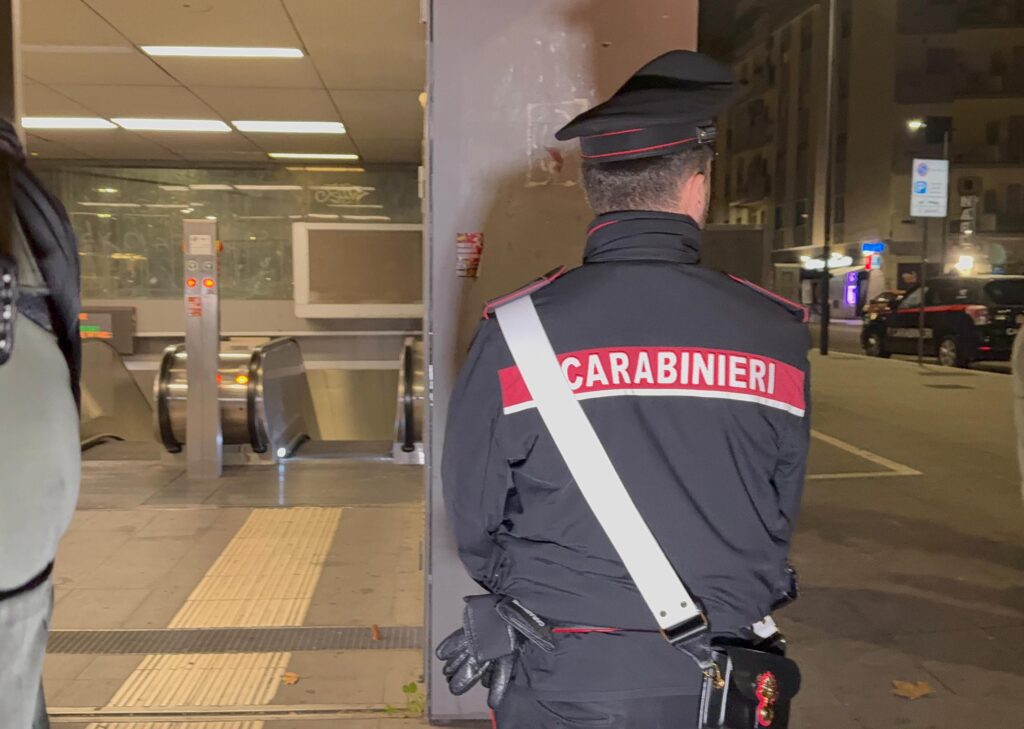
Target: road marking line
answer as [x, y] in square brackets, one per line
[893, 468]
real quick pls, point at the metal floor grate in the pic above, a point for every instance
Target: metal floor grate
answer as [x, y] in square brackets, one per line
[233, 640]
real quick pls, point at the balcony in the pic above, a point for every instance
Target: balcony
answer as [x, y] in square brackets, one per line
[973, 84]
[752, 191]
[753, 137]
[918, 87]
[991, 14]
[922, 17]
[988, 155]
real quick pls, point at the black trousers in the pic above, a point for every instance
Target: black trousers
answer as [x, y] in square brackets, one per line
[523, 710]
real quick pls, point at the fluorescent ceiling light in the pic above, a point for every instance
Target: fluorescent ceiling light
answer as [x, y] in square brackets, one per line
[210, 187]
[259, 188]
[291, 127]
[366, 217]
[178, 206]
[222, 52]
[211, 217]
[65, 122]
[378, 207]
[261, 217]
[174, 188]
[108, 190]
[305, 155]
[51, 48]
[347, 187]
[172, 125]
[109, 205]
[325, 169]
[324, 216]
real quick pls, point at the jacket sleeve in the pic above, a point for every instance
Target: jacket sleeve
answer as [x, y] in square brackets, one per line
[474, 473]
[792, 464]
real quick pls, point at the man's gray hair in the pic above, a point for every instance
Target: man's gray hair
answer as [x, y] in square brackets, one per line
[651, 183]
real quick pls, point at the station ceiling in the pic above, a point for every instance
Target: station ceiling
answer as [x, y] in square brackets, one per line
[363, 64]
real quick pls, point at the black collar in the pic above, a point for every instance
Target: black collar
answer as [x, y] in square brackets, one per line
[643, 236]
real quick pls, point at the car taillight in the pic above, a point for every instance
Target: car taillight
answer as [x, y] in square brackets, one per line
[979, 315]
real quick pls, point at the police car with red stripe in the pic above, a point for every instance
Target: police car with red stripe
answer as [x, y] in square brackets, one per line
[966, 319]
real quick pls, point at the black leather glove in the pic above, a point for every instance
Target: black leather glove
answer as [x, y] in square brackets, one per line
[485, 649]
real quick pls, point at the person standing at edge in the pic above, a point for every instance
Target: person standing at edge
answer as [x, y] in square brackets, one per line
[697, 385]
[40, 464]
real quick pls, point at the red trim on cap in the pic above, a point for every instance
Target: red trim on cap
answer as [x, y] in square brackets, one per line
[641, 149]
[612, 134]
[602, 225]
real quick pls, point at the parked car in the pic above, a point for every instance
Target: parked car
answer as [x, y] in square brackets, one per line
[883, 303]
[966, 319]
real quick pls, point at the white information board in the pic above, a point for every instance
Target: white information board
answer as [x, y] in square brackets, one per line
[929, 192]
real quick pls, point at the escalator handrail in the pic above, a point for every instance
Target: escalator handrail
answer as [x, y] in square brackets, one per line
[252, 393]
[162, 413]
[408, 437]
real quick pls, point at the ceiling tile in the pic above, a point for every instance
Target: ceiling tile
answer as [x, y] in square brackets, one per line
[308, 143]
[121, 69]
[113, 144]
[391, 150]
[139, 101]
[200, 22]
[49, 149]
[41, 100]
[290, 73]
[269, 104]
[381, 114]
[65, 22]
[344, 39]
[185, 143]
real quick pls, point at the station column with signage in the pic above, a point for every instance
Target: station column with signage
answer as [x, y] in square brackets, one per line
[203, 436]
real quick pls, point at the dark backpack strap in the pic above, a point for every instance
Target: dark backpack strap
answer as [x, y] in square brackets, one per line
[53, 245]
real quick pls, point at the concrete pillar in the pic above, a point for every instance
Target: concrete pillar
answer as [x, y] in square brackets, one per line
[503, 76]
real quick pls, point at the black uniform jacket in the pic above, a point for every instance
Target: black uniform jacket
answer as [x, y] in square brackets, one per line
[698, 386]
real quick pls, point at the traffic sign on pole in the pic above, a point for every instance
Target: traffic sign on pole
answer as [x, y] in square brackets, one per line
[929, 193]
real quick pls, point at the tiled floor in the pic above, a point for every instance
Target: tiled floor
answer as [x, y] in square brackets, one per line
[149, 548]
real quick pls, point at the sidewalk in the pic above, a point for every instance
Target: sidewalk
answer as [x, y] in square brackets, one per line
[910, 548]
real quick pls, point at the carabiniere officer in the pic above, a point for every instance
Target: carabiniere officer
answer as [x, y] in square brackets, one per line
[697, 384]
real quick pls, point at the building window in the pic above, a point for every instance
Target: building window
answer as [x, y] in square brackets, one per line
[806, 33]
[940, 60]
[991, 202]
[839, 209]
[779, 217]
[800, 214]
[992, 133]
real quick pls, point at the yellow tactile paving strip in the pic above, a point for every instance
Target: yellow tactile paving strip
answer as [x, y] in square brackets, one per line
[265, 577]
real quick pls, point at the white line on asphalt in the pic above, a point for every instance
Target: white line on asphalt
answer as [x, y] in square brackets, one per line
[894, 468]
[855, 474]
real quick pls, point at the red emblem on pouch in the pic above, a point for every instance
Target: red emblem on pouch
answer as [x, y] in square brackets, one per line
[767, 694]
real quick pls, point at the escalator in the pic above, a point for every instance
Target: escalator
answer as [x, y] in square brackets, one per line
[268, 412]
[116, 416]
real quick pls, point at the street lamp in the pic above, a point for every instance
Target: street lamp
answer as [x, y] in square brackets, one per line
[916, 125]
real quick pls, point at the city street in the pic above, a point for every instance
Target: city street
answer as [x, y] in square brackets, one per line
[910, 549]
[844, 336]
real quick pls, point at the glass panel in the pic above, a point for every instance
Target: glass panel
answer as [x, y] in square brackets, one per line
[129, 220]
[1008, 292]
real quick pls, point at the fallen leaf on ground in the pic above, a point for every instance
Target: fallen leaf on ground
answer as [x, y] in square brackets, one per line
[912, 691]
[290, 678]
[375, 631]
